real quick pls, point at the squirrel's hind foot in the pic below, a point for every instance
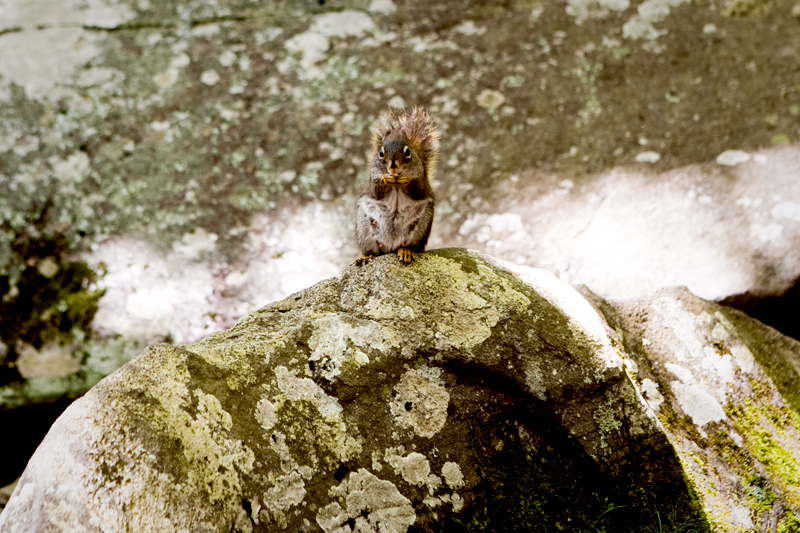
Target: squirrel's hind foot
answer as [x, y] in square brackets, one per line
[361, 261]
[406, 255]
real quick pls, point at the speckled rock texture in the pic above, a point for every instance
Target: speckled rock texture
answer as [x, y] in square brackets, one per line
[459, 393]
[628, 145]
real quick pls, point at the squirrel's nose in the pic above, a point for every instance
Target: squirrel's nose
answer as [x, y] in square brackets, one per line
[393, 164]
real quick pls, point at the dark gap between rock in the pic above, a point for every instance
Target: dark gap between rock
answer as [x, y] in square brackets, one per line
[23, 430]
[780, 312]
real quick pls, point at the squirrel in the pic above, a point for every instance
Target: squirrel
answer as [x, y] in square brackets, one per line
[395, 209]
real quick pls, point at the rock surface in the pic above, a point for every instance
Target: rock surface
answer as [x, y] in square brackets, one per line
[628, 145]
[459, 392]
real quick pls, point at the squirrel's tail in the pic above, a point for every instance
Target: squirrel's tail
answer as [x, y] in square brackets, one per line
[417, 126]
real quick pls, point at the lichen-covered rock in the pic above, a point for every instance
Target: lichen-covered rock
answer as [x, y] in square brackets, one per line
[391, 396]
[457, 393]
[727, 390]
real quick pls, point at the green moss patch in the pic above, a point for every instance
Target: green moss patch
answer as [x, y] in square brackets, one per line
[789, 524]
[45, 298]
[772, 435]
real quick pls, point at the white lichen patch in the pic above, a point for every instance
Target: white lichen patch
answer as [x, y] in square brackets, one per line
[227, 58]
[102, 78]
[376, 461]
[452, 475]
[210, 77]
[766, 232]
[533, 379]
[335, 342]
[490, 99]
[40, 61]
[421, 401]
[413, 468]
[48, 267]
[196, 243]
[374, 504]
[790, 210]
[289, 491]
[648, 156]
[651, 393]
[684, 326]
[313, 45]
[432, 501]
[52, 360]
[458, 503]
[469, 27]
[697, 403]
[210, 410]
[277, 443]
[73, 169]
[305, 389]
[345, 23]
[682, 373]
[86, 13]
[731, 158]
[707, 345]
[380, 309]
[649, 12]
[382, 7]
[168, 77]
[584, 10]
[265, 414]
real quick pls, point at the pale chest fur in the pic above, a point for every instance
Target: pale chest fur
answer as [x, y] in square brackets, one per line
[395, 221]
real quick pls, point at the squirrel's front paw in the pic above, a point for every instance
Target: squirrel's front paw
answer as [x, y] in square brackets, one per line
[406, 256]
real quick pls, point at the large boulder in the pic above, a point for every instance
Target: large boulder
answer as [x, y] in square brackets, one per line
[616, 143]
[457, 393]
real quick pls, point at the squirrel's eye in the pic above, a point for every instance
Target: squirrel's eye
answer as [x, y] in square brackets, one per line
[381, 154]
[406, 152]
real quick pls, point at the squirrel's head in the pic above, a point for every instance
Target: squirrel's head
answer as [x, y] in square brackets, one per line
[397, 157]
[405, 144]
